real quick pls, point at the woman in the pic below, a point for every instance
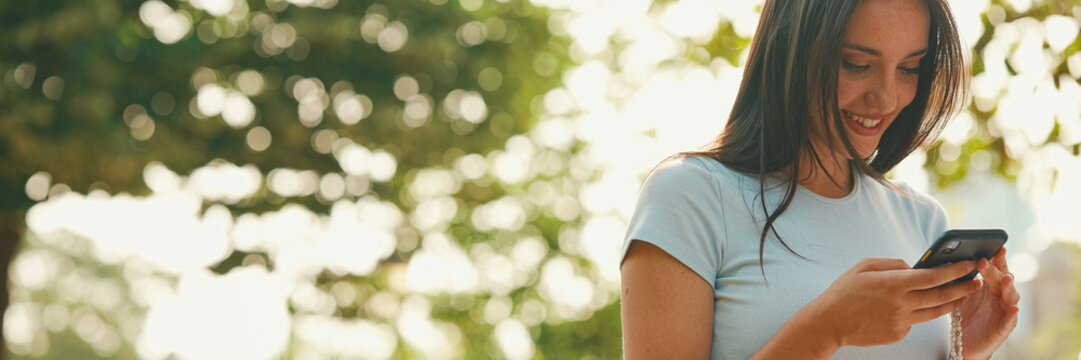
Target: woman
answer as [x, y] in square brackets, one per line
[801, 243]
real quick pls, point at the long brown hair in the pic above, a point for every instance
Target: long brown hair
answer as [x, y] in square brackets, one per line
[791, 80]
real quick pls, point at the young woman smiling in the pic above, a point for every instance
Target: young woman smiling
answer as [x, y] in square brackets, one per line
[783, 240]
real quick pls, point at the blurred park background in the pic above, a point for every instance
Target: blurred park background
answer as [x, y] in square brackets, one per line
[410, 179]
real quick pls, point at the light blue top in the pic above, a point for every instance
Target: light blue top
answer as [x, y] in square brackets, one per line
[700, 212]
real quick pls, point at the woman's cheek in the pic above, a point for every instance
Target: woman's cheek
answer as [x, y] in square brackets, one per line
[909, 93]
[847, 91]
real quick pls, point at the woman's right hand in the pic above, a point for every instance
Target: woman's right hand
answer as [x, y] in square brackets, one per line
[878, 300]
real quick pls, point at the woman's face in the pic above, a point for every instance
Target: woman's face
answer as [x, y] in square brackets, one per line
[880, 58]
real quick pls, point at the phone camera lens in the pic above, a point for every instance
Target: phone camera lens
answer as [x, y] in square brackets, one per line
[951, 246]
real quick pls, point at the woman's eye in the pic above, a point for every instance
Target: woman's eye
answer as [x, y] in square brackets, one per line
[854, 67]
[911, 70]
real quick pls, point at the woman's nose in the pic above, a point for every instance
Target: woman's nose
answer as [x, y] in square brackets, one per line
[882, 97]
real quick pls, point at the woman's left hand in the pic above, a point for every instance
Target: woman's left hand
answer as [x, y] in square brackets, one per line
[990, 314]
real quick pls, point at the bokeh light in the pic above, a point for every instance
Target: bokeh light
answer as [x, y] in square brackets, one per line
[356, 241]
[169, 26]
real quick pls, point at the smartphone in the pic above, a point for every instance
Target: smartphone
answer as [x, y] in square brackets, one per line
[960, 245]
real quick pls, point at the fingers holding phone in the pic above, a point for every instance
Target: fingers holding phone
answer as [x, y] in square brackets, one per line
[878, 300]
[991, 313]
[999, 280]
[935, 299]
[939, 276]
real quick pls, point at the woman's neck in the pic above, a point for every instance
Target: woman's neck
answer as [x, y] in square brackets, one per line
[817, 177]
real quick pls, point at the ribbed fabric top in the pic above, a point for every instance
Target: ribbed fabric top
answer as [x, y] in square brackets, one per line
[709, 217]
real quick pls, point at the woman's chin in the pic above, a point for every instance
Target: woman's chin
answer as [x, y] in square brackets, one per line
[860, 154]
[863, 154]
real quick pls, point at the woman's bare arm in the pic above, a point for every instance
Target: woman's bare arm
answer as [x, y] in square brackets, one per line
[668, 313]
[667, 308]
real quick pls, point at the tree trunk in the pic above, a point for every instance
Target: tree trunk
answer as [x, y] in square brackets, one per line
[12, 225]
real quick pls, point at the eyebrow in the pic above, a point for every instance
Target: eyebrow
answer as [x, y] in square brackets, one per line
[874, 52]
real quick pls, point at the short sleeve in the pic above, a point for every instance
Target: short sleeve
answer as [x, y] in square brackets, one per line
[937, 222]
[679, 211]
[932, 213]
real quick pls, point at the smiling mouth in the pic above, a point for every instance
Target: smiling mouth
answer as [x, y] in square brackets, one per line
[865, 122]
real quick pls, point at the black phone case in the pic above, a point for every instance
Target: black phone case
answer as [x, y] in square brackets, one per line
[975, 244]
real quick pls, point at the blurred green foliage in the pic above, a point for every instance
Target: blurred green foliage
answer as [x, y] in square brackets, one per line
[109, 60]
[984, 138]
[1059, 338]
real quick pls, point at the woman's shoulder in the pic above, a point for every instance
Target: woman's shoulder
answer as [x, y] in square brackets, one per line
[910, 205]
[696, 169]
[919, 201]
[680, 173]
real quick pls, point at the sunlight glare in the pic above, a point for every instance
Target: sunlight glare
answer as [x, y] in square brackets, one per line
[968, 14]
[238, 111]
[436, 339]
[247, 307]
[1054, 209]
[1061, 31]
[554, 133]
[1024, 267]
[440, 266]
[358, 338]
[588, 83]
[223, 181]
[351, 107]
[1029, 58]
[258, 138]
[1028, 107]
[351, 247]
[433, 182]
[514, 340]
[160, 179]
[34, 269]
[695, 19]
[37, 186]
[331, 186]
[382, 166]
[504, 213]
[601, 243]
[528, 253]
[471, 166]
[434, 214]
[214, 7]
[473, 108]
[211, 99]
[250, 82]
[354, 159]
[169, 26]
[181, 240]
[1020, 6]
[560, 285]
[393, 37]
[21, 323]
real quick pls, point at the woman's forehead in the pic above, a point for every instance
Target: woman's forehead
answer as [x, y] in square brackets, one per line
[894, 28]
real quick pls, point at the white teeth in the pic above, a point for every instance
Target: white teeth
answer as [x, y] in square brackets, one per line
[867, 123]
